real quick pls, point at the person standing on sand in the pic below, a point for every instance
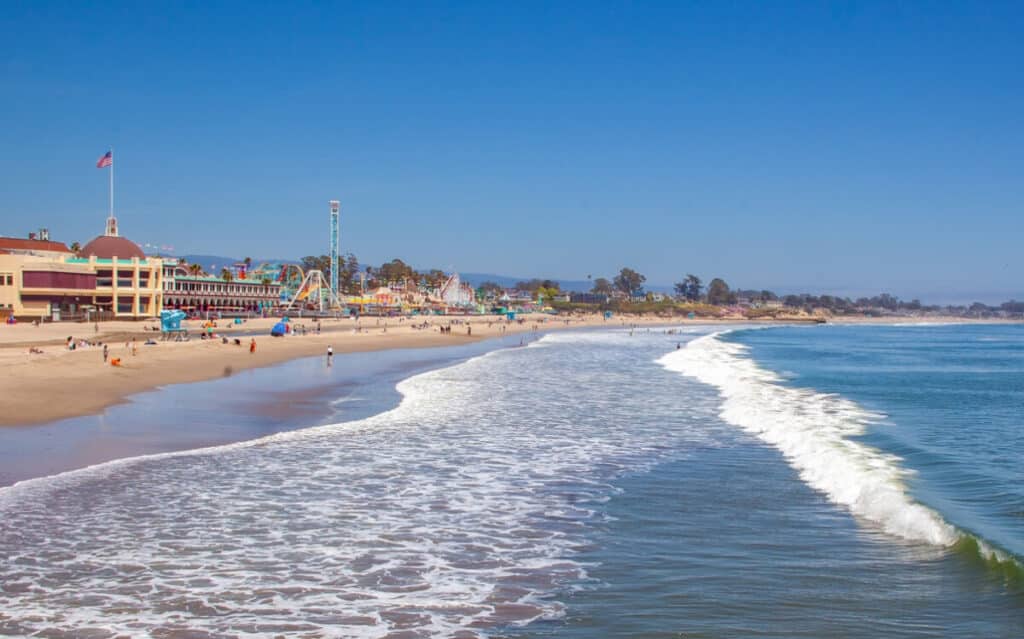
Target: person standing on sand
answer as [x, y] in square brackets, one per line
[135, 348]
[330, 355]
[104, 353]
[252, 346]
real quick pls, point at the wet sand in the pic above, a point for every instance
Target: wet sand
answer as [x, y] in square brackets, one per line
[249, 404]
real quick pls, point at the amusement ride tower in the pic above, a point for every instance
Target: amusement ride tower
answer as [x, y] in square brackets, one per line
[335, 214]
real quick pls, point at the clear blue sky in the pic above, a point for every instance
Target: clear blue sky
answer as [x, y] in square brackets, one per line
[847, 146]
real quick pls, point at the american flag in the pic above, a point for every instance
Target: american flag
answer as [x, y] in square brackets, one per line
[106, 160]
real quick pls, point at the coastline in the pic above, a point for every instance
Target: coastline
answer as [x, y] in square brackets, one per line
[59, 383]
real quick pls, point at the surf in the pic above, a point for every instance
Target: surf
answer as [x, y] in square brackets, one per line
[816, 434]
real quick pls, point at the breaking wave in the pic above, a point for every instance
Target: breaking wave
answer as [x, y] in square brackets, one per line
[814, 431]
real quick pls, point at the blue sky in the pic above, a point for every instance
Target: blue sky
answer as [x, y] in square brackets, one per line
[852, 147]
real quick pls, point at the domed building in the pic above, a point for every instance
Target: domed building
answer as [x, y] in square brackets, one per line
[128, 284]
[109, 278]
[108, 247]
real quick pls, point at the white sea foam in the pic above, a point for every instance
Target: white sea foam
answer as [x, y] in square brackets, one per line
[459, 510]
[814, 431]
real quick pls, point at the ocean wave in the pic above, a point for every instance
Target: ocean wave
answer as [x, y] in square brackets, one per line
[815, 432]
[460, 510]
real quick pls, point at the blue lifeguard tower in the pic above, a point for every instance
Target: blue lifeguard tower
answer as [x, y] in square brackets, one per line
[170, 325]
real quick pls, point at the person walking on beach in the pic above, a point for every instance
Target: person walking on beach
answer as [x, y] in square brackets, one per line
[252, 346]
[330, 355]
[104, 353]
[135, 348]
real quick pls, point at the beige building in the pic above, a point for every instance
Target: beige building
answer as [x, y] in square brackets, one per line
[109, 278]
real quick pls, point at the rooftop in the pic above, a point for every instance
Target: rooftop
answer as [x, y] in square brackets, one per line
[17, 244]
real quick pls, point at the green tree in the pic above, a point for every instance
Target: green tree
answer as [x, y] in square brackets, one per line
[602, 286]
[248, 262]
[195, 270]
[434, 278]
[75, 247]
[718, 292]
[395, 271]
[348, 273]
[529, 285]
[491, 287]
[320, 263]
[630, 282]
[226, 275]
[690, 288]
[547, 293]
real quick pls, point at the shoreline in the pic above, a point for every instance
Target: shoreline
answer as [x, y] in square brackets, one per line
[60, 384]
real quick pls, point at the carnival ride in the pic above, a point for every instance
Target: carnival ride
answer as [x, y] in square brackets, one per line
[314, 291]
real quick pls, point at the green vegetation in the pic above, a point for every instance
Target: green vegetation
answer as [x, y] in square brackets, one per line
[624, 293]
[629, 282]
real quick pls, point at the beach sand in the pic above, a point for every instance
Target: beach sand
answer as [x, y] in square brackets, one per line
[60, 383]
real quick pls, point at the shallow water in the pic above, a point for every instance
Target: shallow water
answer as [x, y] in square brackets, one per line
[591, 484]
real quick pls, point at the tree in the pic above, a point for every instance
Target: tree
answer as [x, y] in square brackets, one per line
[718, 292]
[75, 247]
[248, 262]
[547, 293]
[348, 270]
[602, 286]
[226, 275]
[434, 278]
[195, 270]
[395, 271]
[529, 285]
[630, 282]
[491, 287]
[320, 263]
[690, 288]
[182, 261]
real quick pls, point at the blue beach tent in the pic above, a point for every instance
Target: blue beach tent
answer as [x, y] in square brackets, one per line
[279, 330]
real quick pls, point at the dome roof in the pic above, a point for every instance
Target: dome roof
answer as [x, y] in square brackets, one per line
[108, 246]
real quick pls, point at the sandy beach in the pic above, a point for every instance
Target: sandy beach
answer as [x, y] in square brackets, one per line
[59, 383]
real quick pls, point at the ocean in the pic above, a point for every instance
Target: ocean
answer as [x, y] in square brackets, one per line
[806, 481]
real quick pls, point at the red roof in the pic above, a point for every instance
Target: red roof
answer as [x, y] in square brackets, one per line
[107, 246]
[19, 244]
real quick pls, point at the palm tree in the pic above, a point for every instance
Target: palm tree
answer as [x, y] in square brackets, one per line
[75, 247]
[226, 275]
[248, 262]
[195, 270]
[182, 261]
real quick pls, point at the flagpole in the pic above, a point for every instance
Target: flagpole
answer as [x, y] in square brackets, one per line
[111, 181]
